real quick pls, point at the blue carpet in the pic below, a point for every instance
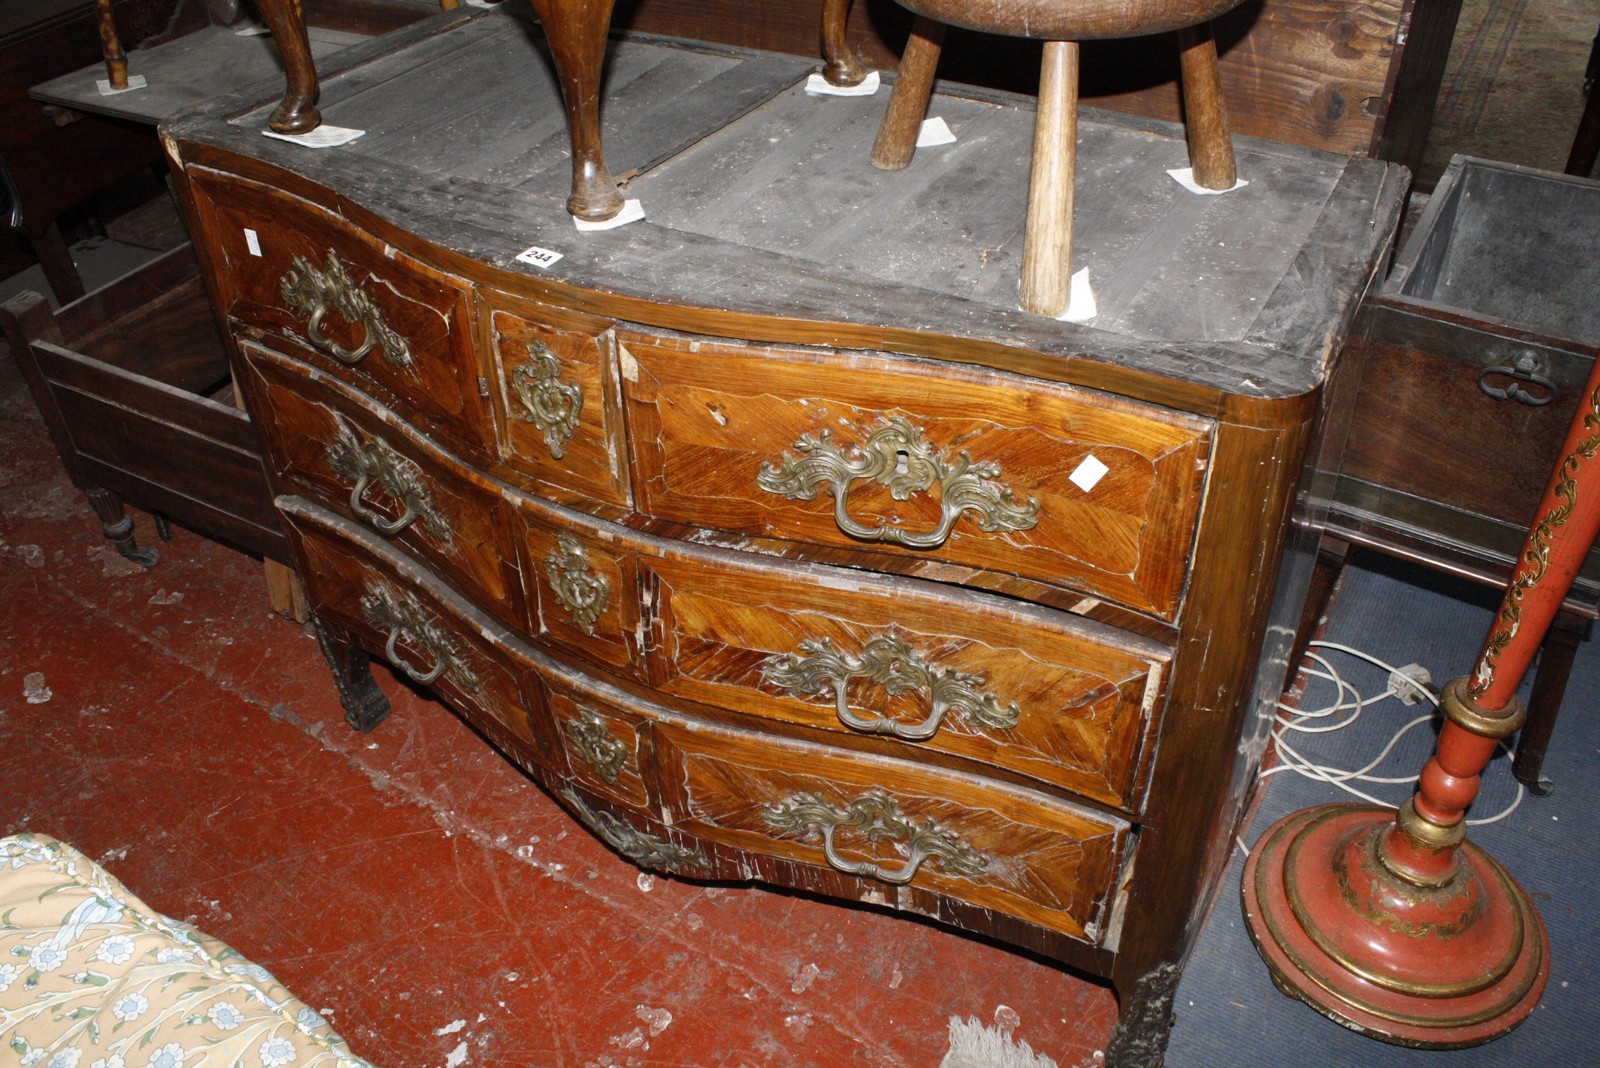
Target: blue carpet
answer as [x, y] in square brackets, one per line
[1229, 1013]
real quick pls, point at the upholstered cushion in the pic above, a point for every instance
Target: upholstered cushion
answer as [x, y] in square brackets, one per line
[92, 977]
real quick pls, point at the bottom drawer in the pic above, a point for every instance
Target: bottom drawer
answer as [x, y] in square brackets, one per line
[992, 846]
[399, 611]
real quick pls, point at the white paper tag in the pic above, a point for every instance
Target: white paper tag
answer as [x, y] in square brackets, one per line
[1081, 305]
[252, 242]
[322, 137]
[252, 29]
[484, 3]
[538, 257]
[935, 131]
[632, 211]
[1184, 176]
[1088, 474]
[817, 85]
[135, 81]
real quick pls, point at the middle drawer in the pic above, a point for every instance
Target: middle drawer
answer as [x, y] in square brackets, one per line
[1045, 694]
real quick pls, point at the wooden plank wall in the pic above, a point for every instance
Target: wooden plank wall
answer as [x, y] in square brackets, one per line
[1319, 73]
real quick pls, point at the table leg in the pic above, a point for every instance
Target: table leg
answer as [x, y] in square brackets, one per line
[1549, 687]
[576, 30]
[840, 65]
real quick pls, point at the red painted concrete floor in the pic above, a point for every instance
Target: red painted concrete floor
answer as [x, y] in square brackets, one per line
[413, 884]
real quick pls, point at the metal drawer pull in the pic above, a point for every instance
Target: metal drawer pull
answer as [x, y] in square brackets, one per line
[577, 588]
[646, 850]
[403, 617]
[889, 662]
[314, 293]
[1527, 367]
[896, 457]
[553, 406]
[878, 818]
[377, 462]
[594, 743]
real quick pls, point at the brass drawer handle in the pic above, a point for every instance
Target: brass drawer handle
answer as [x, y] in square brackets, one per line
[878, 818]
[594, 743]
[376, 462]
[314, 293]
[646, 850]
[403, 617]
[896, 457]
[889, 662]
[577, 588]
[553, 406]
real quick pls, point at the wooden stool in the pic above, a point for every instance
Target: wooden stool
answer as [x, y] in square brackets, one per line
[1061, 24]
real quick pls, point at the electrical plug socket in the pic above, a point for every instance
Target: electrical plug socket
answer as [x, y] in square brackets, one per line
[1410, 684]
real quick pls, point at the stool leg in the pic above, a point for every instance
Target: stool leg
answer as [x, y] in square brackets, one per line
[1047, 239]
[840, 66]
[897, 136]
[111, 46]
[1205, 114]
[297, 111]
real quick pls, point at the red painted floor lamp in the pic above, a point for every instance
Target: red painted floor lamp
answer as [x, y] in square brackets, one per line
[1391, 922]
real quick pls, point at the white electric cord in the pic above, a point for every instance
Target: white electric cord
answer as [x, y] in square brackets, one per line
[1349, 704]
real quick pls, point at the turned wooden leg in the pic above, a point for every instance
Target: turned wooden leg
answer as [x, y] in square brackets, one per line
[1047, 240]
[297, 111]
[576, 30]
[897, 134]
[111, 46]
[117, 525]
[840, 64]
[1205, 115]
[365, 706]
[1556, 654]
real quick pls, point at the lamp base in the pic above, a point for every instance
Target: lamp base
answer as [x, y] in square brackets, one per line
[1348, 937]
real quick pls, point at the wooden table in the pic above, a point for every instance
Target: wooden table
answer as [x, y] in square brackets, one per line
[767, 533]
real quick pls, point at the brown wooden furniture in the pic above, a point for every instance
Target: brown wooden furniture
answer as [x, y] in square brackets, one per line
[134, 386]
[767, 533]
[1465, 368]
[1061, 24]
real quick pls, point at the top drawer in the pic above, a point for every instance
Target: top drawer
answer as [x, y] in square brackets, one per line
[1060, 485]
[382, 321]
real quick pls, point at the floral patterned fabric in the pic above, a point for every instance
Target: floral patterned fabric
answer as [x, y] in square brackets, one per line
[91, 977]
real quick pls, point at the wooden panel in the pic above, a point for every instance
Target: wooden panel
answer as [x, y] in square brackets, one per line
[1043, 694]
[323, 440]
[557, 404]
[350, 581]
[1007, 850]
[711, 420]
[420, 360]
[583, 586]
[602, 746]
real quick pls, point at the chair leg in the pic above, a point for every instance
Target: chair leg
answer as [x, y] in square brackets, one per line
[576, 31]
[55, 259]
[1047, 239]
[1205, 114]
[117, 526]
[111, 45]
[297, 111]
[897, 135]
[840, 65]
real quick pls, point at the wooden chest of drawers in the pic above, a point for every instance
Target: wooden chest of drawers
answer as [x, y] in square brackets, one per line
[774, 568]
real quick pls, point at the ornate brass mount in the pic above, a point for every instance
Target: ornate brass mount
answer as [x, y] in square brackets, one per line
[878, 818]
[553, 406]
[403, 617]
[594, 743]
[643, 849]
[314, 293]
[576, 586]
[896, 457]
[889, 662]
[375, 461]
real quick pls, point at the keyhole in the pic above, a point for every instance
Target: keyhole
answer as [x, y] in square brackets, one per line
[902, 462]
